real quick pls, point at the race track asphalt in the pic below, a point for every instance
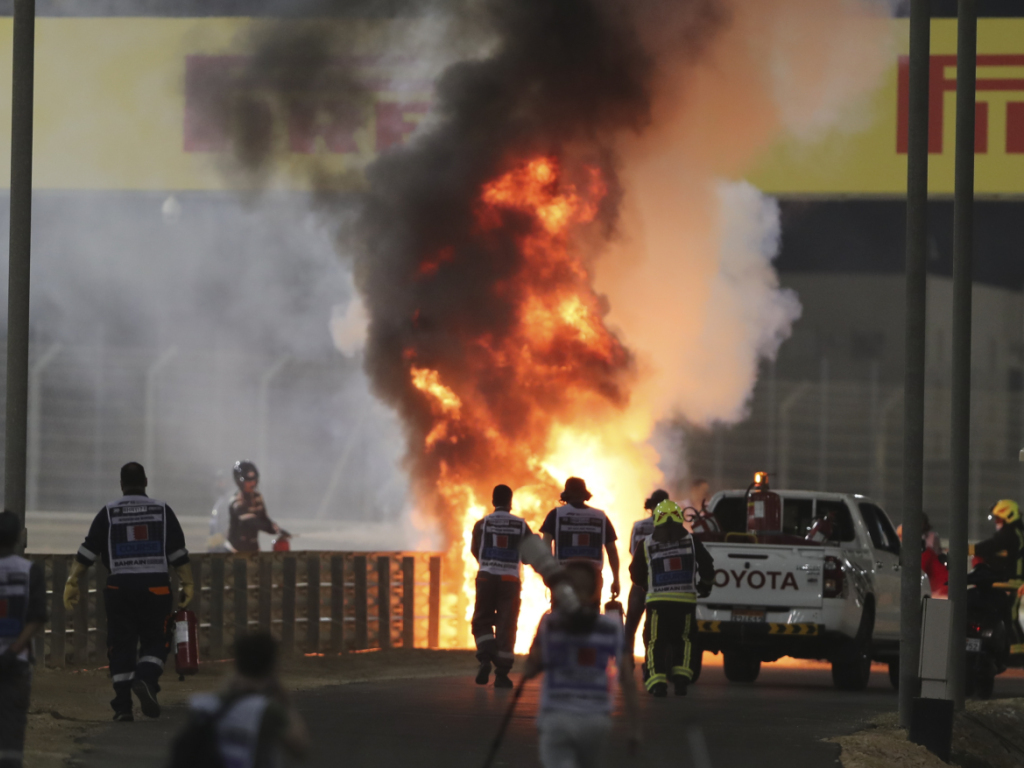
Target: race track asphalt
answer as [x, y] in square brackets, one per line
[777, 722]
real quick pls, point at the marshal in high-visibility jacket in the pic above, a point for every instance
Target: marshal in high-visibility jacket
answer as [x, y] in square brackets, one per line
[673, 568]
[136, 538]
[1004, 551]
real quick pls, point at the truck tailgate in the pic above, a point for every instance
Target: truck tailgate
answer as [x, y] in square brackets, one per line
[767, 575]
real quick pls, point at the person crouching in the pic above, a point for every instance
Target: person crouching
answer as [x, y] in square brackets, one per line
[573, 652]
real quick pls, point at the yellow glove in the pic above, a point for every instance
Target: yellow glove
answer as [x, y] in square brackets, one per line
[71, 592]
[188, 587]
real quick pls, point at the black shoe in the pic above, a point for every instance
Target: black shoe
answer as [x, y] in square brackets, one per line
[659, 690]
[124, 717]
[147, 698]
[681, 683]
[501, 680]
[484, 674]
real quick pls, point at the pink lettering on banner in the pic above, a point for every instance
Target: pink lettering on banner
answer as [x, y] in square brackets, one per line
[311, 120]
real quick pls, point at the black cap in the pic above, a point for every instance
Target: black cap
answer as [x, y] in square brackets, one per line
[501, 496]
[10, 528]
[133, 475]
[575, 488]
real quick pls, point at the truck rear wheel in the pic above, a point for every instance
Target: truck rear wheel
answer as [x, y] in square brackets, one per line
[741, 666]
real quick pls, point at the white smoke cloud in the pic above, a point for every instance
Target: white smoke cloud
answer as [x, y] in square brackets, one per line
[690, 282]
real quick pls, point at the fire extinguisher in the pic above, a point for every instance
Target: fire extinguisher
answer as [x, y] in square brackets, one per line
[764, 506]
[186, 642]
[281, 543]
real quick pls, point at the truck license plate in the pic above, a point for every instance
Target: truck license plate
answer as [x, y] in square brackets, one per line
[750, 615]
[974, 645]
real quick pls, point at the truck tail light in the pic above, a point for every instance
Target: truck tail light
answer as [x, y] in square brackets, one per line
[833, 580]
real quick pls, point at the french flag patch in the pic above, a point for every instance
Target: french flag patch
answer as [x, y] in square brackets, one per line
[501, 541]
[138, 532]
[674, 564]
[581, 539]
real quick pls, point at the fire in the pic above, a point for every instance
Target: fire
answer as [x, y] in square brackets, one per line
[539, 399]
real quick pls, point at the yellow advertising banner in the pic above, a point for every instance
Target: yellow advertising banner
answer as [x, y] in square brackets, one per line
[125, 104]
[871, 159]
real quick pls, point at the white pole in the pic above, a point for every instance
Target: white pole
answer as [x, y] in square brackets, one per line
[784, 438]
[149, 424]
[263, 410]
[35, 438]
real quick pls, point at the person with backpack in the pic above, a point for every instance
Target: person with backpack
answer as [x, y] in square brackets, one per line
[249, 723]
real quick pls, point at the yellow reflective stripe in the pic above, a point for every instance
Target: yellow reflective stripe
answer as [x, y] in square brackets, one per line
[650, 644]
[672, 597]
[792, 629]
[708, 626]
[653, 680]
[687, 648]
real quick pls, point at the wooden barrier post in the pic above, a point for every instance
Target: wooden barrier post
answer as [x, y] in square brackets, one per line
[384, 601]
[101, 611]
[80, 619]
[266, 596]
[313, 603]
[359, 580]
[58, 621]
[196, 606]
[337, 603]
[434, 617]
[408, 602]
[288, 604]
[241, 597]
[217, 608]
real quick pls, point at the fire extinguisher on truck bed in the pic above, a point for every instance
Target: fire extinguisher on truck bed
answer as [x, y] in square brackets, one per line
[764, 506]
[186, 643]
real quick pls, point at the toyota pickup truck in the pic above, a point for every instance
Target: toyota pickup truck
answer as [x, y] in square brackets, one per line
[809, 591]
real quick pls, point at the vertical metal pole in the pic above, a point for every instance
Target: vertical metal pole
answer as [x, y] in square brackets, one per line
[913, 377]
[823, 426]
[960, 433]
[19, 259]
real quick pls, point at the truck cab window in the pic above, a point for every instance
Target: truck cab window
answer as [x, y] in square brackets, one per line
[841, 518]
[731, 514]
[880, 530]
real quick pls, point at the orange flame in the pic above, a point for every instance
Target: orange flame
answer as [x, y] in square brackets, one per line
[561, 375]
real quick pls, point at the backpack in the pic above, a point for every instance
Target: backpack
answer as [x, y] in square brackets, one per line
[196, 745]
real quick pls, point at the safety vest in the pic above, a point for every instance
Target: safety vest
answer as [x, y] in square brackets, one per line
[579, 533]
[137, 537]
[576, 666]
[500, 536]
[238, 729]
[14, 584]
[641, 530]
[670, 570]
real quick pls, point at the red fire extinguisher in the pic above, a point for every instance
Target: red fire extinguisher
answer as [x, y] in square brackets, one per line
[764, 506]
[281, 543]
[186, 642]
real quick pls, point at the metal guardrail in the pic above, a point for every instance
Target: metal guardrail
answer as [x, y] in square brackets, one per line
[312, 602]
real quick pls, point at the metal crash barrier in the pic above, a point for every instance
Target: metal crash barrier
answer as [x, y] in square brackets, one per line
[312, 602]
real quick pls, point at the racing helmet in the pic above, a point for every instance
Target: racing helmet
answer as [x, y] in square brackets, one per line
[245, 470]
[666, 512]
[1006, 510]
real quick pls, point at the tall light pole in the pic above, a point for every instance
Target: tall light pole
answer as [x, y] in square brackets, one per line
[19, 258]
[913, 382]
[963, 257]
